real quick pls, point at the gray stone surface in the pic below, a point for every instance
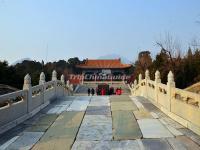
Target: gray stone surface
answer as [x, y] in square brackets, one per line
[98, 101]
[193, 136]
[125, 145]
[168, 121]
[25, 141]
[78, 105]
[95, 127]
[174, 131]
[177, 145]
[156, 144]
[152, 128]
[91, 145]
[98, 110]
[106, 145]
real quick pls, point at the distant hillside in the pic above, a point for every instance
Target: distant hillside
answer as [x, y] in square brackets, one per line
[194, 88]
[20, 61]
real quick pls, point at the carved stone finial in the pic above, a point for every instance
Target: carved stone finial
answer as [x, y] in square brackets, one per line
[62, 78]
[42, 78]
[157, 76]
[170, 79]
[132, 85]
[54, 76]
[135, 82]
[147, 74]
[140, 77]
[67, 83]
[27, 82]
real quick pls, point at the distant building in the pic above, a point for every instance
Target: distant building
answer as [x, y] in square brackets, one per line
[103, 69]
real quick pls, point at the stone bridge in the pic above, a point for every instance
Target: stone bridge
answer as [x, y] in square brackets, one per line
[50, 116]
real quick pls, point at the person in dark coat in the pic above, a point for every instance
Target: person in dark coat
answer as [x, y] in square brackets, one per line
[88, 91]
[92, 91]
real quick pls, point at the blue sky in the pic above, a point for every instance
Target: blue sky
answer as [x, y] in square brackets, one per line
[92, 28]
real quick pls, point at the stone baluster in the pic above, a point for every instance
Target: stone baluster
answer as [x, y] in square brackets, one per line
[42, 78]
[42, 82]
[140, 78]
[145, 88]
[170, 86]
[62, 78]
[67, 84]
[157, 77]
[157, 80]
[27, 86]
[135, 83]
[54, 76]
[147, 74]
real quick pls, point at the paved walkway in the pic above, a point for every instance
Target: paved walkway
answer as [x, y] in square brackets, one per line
[100, 123]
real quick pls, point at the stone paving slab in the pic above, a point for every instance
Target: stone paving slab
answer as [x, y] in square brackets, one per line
[156, 144]
[142, 114]
[126, 105]
[91, 145]
[152, 128]
[61, 102]
[63, 130]
[95, 127]
[183, 143]
[171, 122]
[82, 98]
[78, 105]
[193, 136]
[125, 126]
[6, 144]
[25, 141]
[54, 144]
[98, 110]
[138, 104]
[99, 102]
[37, 128]
[41, 119]
[174, 131]
[121, 98]
[106, 145]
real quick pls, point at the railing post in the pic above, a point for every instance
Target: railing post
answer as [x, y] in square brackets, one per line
[54, 78]
[140, 78]
[170, 85]
[42, 78]
[140, 87]
[71, 88]
[42, 82]
[157, 80]
[147, 77]
[67, 85]
[27, 86]
[62, 78]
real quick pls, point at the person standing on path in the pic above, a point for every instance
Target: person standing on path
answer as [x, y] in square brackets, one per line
[88, 91]
[92, 91]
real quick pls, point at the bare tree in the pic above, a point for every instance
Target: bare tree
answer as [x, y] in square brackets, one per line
[170, 46]
[195, 44]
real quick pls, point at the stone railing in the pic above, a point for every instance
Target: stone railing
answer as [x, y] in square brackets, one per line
[18, 106]
[180, 105]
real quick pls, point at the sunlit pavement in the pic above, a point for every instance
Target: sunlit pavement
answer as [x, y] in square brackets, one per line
[100, 122]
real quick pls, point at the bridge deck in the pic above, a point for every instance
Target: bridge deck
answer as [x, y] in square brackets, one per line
[100, 122]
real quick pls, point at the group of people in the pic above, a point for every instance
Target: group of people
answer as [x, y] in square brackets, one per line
[103, 91]
[91, 91]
